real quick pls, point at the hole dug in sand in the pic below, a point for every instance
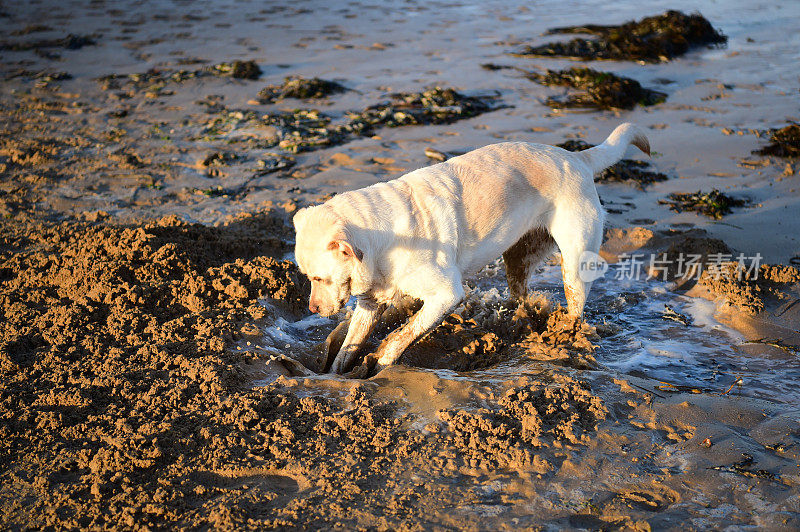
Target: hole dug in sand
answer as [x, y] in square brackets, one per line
[484, 331]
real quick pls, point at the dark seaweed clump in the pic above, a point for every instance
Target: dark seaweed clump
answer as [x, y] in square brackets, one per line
[300, 88]
[220, 158]
[434, 106]
[602, 90]
[744, 468]
[308, 129]
[624, 171]
[305, 130]
[296, 130]
[784, 142]
[238, 69]
[155, 80]
[70, 42]
[714, 204]
[652, 39]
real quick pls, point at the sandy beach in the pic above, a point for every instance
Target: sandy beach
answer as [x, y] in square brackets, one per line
[159, 366]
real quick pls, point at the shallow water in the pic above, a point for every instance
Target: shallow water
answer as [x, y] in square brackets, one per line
[705, 354]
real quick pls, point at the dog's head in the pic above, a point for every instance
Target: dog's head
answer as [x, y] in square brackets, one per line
[326, 254]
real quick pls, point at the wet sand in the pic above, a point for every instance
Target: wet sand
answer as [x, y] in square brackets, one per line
[159, 368]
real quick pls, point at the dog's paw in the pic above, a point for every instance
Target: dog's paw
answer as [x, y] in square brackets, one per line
[369, 367]
[339, 366]
[362, 371]
[377, 368]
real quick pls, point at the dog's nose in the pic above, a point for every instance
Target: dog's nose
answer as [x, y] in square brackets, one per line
[313, 308]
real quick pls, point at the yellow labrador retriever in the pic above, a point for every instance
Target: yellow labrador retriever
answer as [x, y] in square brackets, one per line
[420, 234]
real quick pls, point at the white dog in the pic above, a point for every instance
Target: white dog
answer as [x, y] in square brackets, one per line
[420, 234]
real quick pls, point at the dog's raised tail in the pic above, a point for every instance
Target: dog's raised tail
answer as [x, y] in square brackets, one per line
[613, 148]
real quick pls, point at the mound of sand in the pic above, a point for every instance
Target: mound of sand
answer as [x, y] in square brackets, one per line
[123, 402]
[751, 290]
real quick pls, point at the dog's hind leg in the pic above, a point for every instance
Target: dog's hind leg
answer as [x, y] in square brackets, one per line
[521, 258]
[577, 231]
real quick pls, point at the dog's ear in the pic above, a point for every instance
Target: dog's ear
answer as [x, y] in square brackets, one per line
[341, 243]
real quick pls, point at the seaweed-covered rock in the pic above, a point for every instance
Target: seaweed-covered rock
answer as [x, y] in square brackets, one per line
[602, 90]
[219, 158]
[434, 106]
[238, 69]
[308, 129]
[652, 39]
[493, 67]
[304, 130]
[784, 142]
[273, 162]
[154, 80]
[300, 88]
[624, 171]
[575, 145]
[295, 131]
[714, 204]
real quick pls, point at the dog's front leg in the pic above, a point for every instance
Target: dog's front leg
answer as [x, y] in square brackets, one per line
[434, 309]
[364, 318]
